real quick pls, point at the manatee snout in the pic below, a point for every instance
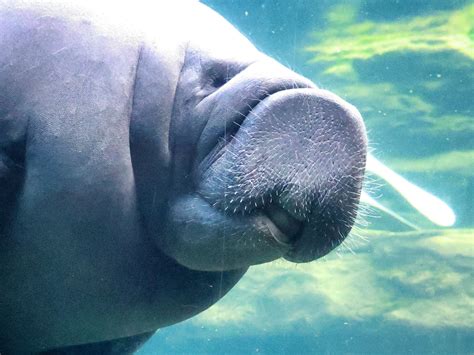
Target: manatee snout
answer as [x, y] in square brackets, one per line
[282, 180]
[275, 171]
[298, 161]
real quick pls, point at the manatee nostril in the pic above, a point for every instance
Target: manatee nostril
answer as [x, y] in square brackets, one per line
[288, 225]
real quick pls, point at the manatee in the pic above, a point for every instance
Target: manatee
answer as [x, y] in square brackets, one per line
[148, 157]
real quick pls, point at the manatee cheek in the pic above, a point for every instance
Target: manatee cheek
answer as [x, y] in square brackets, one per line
[201, 237]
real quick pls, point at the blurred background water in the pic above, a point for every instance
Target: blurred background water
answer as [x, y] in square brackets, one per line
[408, 65]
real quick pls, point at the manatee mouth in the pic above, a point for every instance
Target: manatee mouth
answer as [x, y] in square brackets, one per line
[284, 228]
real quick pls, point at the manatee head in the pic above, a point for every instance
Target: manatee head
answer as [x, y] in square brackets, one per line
[266, 164]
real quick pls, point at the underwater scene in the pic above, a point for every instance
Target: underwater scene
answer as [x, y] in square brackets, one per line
[402, 283]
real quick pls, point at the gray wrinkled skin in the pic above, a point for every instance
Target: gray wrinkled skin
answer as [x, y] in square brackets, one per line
[147, 159]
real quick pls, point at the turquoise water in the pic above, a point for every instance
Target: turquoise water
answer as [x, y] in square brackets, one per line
[409, 68]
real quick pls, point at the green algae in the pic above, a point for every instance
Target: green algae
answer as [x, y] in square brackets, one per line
[345, 41]
[458, 162]
[416, 278]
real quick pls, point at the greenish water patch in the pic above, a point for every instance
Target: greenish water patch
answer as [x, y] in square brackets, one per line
[429, 266]
[396, 283]
[450, 30]
[456, 162]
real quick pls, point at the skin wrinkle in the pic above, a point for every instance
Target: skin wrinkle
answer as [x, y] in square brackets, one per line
[172, 142]
[135, 77]
[132, 105]
[218, 91]
[233, 137]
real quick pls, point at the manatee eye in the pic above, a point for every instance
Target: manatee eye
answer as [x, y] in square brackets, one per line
[218, 80]
[217, 75]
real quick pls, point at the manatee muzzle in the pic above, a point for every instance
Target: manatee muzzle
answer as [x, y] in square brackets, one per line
[286, 184]
[299, 159]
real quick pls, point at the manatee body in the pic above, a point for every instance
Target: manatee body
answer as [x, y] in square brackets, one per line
[148, 157]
